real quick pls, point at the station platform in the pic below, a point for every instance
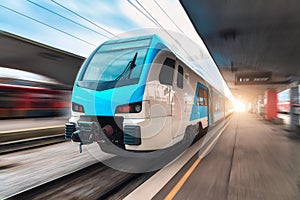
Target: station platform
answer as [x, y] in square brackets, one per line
[252, 159]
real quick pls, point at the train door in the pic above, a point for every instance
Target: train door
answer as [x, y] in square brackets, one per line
[177, 103]
[200, 106]
[210, 106]
[160, 85]
[166, 78]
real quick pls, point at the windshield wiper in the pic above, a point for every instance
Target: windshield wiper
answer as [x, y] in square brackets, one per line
[128, 69]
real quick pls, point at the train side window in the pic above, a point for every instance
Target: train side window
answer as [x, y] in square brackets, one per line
[206, 97]
[180, 77]
[202, 97]
[167, 72]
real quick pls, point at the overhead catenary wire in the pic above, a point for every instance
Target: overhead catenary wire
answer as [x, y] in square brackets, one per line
[153, 20]
[157, 23]
[167, 32]
[149, 18]
[45, 24]
[84, 18]
[161, 8]
[55, 13]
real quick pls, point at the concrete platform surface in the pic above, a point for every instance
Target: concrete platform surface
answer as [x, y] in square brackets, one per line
[253, 159]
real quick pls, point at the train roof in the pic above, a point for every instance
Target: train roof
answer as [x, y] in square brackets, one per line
[195, 56]
[130, 39]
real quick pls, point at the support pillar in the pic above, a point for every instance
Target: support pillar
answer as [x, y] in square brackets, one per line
[261, 106]
[295, 108]
[271, 104]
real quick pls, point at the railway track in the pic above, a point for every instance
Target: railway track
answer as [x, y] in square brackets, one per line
[94, 182]
[11, 141]
[99, 181]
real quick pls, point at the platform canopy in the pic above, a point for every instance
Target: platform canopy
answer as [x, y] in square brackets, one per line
[24, 54]
[255, 44]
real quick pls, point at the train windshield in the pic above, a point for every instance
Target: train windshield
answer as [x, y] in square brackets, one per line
[115, 65]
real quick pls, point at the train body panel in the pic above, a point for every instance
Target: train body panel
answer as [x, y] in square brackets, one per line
[154, 97]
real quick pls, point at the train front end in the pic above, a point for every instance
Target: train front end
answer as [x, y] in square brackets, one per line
[108, 96]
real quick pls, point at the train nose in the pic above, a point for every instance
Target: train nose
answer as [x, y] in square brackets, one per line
[107, 132]
[88, 132]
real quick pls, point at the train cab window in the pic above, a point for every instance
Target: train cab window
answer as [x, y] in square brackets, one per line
[202, 99]
[167, 72]
[180, 77]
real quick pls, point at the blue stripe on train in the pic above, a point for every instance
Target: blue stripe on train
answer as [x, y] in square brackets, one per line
[105, 102]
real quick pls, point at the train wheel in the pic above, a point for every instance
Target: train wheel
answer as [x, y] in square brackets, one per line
[199, 131]
[188, 135]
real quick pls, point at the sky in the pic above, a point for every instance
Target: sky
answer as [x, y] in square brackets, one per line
[79, 26]
[49, 22]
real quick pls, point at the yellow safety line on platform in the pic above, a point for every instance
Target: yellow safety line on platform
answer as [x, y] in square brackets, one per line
[177, 187]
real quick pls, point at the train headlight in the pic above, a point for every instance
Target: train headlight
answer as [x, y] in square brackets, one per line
[77, 107]
[138, 108]
[130, 108]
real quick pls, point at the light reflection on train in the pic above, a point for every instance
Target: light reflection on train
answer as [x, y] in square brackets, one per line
[20, 98]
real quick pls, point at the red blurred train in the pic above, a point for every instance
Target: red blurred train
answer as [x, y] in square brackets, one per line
[32, 99]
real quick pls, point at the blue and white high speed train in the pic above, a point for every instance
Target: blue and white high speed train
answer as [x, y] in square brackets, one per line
[136, 95]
